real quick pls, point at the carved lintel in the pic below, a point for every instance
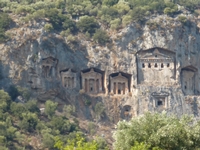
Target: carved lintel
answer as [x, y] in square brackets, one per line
[160, 94]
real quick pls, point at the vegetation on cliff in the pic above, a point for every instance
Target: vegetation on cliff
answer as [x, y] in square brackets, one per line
[21, 123]
[62, 15]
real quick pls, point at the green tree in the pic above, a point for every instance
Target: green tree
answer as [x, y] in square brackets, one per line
[29, 121]
[158, 131]
[31, 105]
[101, 37]
[87, 24]
[50, 108]
[5, 101]
[17, 109]
[78, 143]
[68, 110]
[99, 110]
[48, 27]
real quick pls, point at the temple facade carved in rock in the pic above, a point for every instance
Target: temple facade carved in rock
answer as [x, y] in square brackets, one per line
[156, 65]
[119, 84]
[49, 67]
[68, 78]
[92, 80]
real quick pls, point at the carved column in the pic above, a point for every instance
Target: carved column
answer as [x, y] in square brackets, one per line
[83, 83]
[95, 90]
[88, 85]
[117, 87]
[100, 84]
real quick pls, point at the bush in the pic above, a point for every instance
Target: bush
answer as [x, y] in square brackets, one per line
[68, 110]
[87, 24]
[5, 21]
[126, 20]
[29, 121]
[31, 106]
[101, 37]
[99, 110]
[5, 101]
[17, 109]
[68, 24]
[50, 108]
[182, 19]
[48, 27]
[115, 24]
[91, 128]
[55, 17]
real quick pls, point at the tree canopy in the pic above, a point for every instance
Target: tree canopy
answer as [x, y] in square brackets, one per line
[158, 131]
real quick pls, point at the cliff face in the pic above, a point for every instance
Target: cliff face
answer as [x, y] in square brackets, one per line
[152, 66]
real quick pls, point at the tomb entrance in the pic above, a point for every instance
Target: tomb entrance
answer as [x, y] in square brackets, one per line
[156, 65]
[160, 100]
[188, 75]
[120, 83]
[68, 78]
[92, 80]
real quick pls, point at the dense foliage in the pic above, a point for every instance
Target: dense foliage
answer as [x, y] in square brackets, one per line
[20, 122]
[158, 131]
[63, 15]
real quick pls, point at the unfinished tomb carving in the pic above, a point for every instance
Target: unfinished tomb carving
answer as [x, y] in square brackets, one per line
[92, 80]
[68, 78]
[49, 67]
[156, 65]
[34, 79]
[188, 75]
[120, 83]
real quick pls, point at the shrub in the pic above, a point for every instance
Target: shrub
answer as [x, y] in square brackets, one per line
[4, 21]
[68, 110]
[17, 109]
[68, 24]
[126, 20]
[87, 24]
[31, 106]
[48, 27]
[29, 121]
[5, 101]
[99, 110]
[182, 19]
[115, 24]
[71, 39]
[55, 17]
[101, 37]
[110, 2]
[50, 108]
[91, 128]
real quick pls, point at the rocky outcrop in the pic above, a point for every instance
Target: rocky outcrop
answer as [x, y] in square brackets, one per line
[152, 66]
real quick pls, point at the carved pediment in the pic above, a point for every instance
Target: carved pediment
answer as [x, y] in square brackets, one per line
[68, 73]
[160, 94]
[119, 78]
[91, 73]
[155, 53]
[49, 60]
